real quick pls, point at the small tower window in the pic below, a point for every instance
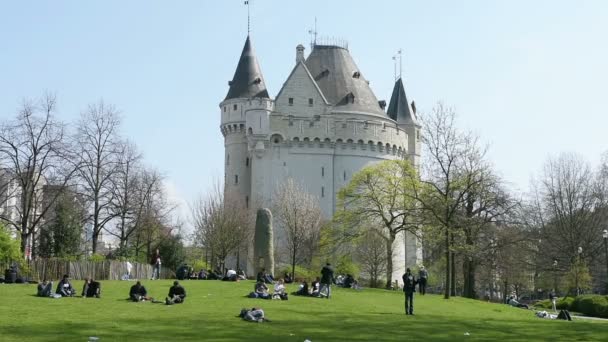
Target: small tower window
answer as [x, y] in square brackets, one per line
[322, 171]
[418, 135]
[228, 159]
[291, 101]
[234, 107]
[247, 161]
[236, 179]
[310, 102]
[224, 109]
[322, 191]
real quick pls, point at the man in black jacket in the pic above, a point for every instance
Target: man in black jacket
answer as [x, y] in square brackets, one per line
[138, 292]
[64, 288]
[177, 294]
[409, 287]
[327, 278]
[91, 288]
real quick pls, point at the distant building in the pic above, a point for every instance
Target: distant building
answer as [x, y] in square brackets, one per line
[324, 125]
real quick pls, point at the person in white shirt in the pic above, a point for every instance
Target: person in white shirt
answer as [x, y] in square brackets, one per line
[279, 290]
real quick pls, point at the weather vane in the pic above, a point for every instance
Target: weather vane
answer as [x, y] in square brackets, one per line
[313, 35]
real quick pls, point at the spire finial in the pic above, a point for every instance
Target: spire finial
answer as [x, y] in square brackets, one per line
[397, 55]
[248, 17]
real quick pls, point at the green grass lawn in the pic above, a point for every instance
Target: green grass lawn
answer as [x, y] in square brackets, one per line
[210, 310]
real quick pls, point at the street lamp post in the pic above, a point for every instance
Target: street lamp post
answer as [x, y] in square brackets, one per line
[605, 236]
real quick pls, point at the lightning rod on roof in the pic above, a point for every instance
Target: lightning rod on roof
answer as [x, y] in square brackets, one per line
[313, 35]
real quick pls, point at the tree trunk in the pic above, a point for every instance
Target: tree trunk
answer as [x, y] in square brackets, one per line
[453, 272]
[24, 237]
[446, 293]
[293, 264]
[469, 267]
[389, 261]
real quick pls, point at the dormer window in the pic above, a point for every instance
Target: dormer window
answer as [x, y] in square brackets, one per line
[356, 74]
[257, 80]
[310, 102]
[291, 101]
[350, 98]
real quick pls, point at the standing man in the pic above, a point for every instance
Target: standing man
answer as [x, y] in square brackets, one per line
[327, 277]
[422, 278]
[156, 264]
[409, 287]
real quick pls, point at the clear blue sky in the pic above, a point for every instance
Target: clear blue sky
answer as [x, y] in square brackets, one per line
[528, 76]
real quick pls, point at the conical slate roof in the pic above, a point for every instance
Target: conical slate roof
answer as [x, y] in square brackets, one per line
[248, 81]
[340, 80]
[399, 109]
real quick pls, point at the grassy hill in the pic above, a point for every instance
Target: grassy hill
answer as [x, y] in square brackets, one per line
[209, 314]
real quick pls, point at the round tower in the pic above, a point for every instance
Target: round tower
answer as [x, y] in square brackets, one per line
[246, 96]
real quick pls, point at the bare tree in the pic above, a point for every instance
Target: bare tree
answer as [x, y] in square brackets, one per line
[97, 137]
[371, 253]
[34, 151]
[220, 224]
[383, 198]
[132, 186]
[299, 216]
[447, 180]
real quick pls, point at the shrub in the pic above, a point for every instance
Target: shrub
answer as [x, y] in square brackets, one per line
[544, 304]
[564, 303]
[302, 273]
[591, 305]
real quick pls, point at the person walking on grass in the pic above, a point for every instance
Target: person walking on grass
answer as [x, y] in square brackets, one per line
[423, 276]
[553, 298]
[409, 287]
[156, 263]
[327, 278]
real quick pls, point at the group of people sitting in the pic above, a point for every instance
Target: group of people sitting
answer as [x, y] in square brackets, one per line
[90, 289]
[260, 290]
[177, 294]
[348, 282]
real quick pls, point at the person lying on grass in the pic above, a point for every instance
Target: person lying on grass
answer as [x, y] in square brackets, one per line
[253, 315]
[138, 293]
[64, 288]
[177, 294]
[516, 304]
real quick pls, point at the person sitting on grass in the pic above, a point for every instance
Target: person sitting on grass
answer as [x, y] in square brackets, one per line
[515, 303]
[279, 290]
[211, 275]
[177, 294]
[138, 293]
[241, 274]
[302, 290]
[64, 288]
[261, 290]
[230, 275]
[315, 288]
[253, 315]
[288, 278]
[202, 274]
[45, 289]
[91, 288]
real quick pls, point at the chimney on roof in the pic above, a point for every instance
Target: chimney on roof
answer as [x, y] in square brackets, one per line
[299, 53]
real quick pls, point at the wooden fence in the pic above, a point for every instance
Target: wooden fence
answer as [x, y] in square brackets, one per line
[53, 269]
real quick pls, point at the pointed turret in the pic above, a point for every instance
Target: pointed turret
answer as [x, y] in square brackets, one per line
[248, 81]
[399, 109]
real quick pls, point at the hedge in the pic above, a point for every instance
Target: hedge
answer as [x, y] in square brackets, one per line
[591, 305]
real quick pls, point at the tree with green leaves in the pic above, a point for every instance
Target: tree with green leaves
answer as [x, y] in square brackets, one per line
[61, 235]
[380, 198]
[9, 247]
